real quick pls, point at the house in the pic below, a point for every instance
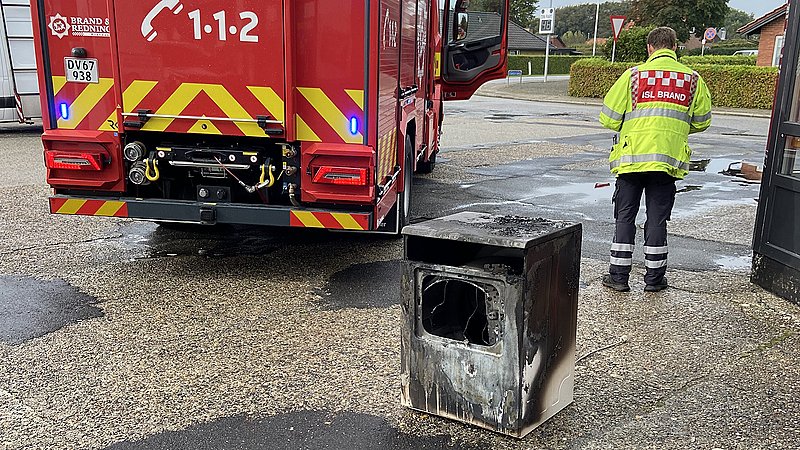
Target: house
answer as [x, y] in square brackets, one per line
[772, 28]
[520, 40]
[523, 42]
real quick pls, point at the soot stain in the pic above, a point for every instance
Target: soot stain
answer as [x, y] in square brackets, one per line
[302, 430]
[31, 308]
[363, 286]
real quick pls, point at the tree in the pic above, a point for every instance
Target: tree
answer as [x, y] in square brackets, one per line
[580, 18]
[523, 12]
[573, 39]
[684, 16]
[631, 46]
[736, 19]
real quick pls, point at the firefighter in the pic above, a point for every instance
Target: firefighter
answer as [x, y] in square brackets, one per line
[654, 107]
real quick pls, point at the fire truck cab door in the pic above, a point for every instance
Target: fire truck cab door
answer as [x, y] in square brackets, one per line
[475, 45]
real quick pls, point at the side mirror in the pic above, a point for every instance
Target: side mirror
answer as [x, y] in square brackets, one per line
[461, 26]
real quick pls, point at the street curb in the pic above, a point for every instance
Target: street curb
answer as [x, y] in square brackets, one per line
[566, 101]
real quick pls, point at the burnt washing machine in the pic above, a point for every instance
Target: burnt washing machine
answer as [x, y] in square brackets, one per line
[490, 309]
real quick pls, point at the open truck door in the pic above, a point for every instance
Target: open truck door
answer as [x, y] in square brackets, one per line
[776, 263]
[475, 48]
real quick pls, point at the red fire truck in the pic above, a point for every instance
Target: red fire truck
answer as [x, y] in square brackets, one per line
[302, 113]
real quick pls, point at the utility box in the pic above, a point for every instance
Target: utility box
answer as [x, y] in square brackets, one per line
[489, 319]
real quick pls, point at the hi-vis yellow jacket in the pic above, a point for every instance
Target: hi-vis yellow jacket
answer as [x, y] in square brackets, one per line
[654, 107]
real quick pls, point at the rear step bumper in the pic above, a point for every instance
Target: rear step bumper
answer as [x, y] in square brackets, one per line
[208, 213]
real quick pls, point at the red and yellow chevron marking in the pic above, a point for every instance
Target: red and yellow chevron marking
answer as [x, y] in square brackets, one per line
[387, 155]
[330, 221]
[131, 98]
[218, 97]
[99, 208]
[325, 116]
[88, 104]
[322, 116]
[91, 106]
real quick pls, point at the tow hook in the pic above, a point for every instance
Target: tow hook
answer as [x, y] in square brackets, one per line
[152, 173]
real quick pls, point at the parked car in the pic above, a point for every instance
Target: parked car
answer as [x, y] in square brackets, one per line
[745, 53]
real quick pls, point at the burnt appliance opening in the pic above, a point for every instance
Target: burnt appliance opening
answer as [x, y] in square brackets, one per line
[460, 310]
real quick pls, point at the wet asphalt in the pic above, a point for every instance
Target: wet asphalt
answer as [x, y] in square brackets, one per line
[125, 334]
[33, 308]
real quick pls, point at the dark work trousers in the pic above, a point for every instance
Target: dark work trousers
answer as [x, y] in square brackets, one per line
[659, 190]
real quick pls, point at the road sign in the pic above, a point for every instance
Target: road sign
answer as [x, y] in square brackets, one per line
[514, 73]
[710, 34]
[547, 21]
[616, 25]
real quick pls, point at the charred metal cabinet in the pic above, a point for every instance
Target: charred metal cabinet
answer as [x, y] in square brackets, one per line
[776, 262]
[489, 319]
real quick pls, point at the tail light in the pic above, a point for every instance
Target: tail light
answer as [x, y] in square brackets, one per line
[342, 176]
[74, 161]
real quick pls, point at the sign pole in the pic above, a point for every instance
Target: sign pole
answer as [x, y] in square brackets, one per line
[614, 52]
[547, 28]
[547, 58]
[596, 24]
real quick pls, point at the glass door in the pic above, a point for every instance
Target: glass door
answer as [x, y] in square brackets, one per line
[776, 264]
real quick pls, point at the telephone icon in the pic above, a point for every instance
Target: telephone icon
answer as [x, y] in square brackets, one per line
[147, 24]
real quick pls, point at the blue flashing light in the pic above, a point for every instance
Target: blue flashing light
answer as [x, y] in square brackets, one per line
[64, 109]
[354, 126]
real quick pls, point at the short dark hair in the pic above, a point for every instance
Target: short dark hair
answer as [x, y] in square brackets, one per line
[662, 37]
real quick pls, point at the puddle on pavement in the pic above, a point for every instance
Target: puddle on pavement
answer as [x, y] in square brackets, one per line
[31, 308]
[717, 166]
[689, 188]
[292, 431]
[503, 117]
[725, 166]
[735, 263]
[363, 286]
[583, 192]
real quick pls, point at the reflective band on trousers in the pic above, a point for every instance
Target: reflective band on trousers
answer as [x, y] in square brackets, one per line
[625, 262]
[701, 119]
[612, 114]
[658, 112]
[621, 247]
[655, 264]
[656, 250]
[654, 157]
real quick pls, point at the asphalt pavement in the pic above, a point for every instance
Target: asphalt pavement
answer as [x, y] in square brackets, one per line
[124, 334]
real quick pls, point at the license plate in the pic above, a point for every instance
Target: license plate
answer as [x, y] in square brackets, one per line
[81, 70]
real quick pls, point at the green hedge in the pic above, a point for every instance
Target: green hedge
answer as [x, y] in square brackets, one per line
[593, 77]
[731, 86]
[740, 86]
[720, 60]
[559, 65]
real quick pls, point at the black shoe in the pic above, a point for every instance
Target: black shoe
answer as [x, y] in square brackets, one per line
[657, 287]
[608, 281]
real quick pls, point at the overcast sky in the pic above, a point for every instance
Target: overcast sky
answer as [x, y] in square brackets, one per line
[757, 7]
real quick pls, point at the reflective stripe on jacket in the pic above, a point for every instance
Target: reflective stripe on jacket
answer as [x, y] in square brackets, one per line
[654, 107]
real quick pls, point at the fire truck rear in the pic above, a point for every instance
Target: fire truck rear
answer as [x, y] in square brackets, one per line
[302, 113]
